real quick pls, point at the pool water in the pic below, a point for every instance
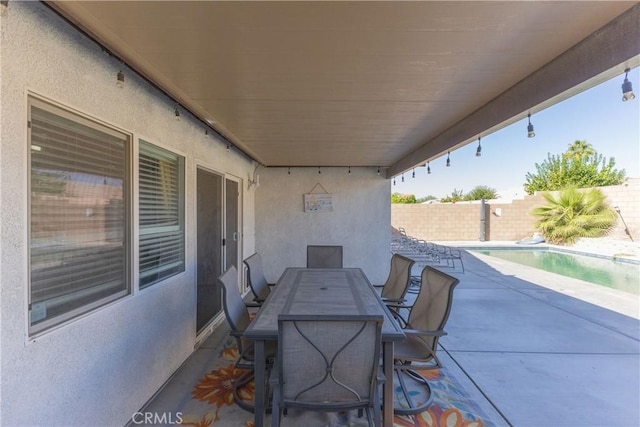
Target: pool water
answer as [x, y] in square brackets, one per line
[623, 276]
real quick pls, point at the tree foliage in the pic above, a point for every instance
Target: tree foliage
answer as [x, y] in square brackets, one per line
[580, 166]
[481, 192]
[579, 149]
[574, 214]
[403, 198]
[478, 193]
[455, 196]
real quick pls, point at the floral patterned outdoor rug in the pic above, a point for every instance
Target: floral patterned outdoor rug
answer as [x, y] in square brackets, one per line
[210, 401]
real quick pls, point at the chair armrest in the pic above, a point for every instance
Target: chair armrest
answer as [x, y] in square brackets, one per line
[440, 333]
[396, 315]
[396, 305]
[393, 300]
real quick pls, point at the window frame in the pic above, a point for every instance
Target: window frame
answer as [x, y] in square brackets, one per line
[84, 309]
[144, 231]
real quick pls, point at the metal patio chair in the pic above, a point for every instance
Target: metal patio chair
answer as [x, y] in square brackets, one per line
[395, 288]
[423, 328]
[450, 256]
[237, 315]
[327, 363]
[324, 256]
[257, 281]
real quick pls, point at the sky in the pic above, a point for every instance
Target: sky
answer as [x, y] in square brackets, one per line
[597, 116]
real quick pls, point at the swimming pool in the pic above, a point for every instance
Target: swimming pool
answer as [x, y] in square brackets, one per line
[623, 276]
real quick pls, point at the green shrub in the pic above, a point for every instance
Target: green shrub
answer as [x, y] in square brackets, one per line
[574, 214]
[403, 198]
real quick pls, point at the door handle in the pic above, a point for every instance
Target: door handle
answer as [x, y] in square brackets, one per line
[235, 236]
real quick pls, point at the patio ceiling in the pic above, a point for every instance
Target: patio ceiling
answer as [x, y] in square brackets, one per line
[389, 84]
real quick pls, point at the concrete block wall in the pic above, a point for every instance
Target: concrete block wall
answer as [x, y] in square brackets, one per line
[513, 220]
[508, 221]
[456, 221]
[627, 198]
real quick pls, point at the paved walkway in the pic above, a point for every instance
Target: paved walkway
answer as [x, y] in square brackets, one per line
[537, 353]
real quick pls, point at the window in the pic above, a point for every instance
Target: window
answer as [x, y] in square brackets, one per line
[161, 214]
[79, 215]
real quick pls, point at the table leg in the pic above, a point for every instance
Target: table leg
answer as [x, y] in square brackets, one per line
[387, 393]
[259, 399]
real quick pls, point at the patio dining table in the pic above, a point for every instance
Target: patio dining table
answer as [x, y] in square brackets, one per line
[321, 291]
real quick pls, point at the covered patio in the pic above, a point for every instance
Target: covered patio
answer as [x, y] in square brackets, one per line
[525, 348]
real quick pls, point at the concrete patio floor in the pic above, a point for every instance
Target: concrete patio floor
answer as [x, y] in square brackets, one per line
[530, 348]
[541, 349]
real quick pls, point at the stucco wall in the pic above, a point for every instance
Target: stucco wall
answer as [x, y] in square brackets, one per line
[359, 221]
[461, 221]
[100, 368]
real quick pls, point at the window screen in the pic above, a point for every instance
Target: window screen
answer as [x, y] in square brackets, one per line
[161, 214]
[79, 221]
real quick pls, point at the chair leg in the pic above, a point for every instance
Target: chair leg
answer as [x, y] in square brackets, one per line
[276, 413]
[412, 407]
[377, 412]
[241, 382]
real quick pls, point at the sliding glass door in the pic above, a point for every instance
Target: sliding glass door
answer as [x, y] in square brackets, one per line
[218, 239]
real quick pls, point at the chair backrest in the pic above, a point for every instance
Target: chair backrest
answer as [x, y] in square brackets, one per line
[328, 362]
[257, 281]
[399, 278]
[234, 307]
[432, 306]
[324, 256]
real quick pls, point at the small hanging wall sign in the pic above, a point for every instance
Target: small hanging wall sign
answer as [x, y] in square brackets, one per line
[318, 202]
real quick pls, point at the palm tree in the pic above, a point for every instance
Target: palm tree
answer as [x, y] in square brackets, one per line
[574, 214]
[579, 150]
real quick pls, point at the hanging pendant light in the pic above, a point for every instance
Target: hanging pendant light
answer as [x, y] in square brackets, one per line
[479, 150]
[120, 80]
[530, 132]
[627, 89]
[448, 158]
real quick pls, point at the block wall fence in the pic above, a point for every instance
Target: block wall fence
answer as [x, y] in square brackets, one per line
[505, 221]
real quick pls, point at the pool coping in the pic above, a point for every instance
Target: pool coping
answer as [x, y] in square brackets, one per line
[470, 246]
